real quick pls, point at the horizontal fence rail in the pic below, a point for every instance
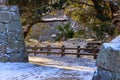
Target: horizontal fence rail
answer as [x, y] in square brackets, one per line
[78, 51]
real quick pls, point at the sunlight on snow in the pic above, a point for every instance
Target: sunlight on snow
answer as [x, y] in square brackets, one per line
[58, 64]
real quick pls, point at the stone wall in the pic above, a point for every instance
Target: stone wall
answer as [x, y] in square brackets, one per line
[108, 61]
[12, 44]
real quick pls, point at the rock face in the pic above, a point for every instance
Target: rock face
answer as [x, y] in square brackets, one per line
[108, 61]
[12, 46]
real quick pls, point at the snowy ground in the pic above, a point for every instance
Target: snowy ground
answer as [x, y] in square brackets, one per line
[42, 67]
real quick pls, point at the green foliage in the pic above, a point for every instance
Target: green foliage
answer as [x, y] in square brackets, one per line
[97, 17]
[103, 29]
[102, 10]
[79, 33]
[31, 10]
[65, 32]
[117, 32]
[96, 14]
[59, 5]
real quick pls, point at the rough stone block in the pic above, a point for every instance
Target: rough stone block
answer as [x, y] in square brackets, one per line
[3, 39]
[11, 37]
[4, 8]
[3, 58]
[102, 74]
[10, 45]
[108, 59]
[23, 56]
[19, 45]
[2, 49]
[13, 57]
[2, 28]
[18, 57]
[13, 8]
[5, 17]
[15, 16]
[14, 26]
[15, 47]
[19, 36]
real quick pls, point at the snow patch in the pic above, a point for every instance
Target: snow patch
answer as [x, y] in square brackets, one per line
[114, 44]
[49, 68]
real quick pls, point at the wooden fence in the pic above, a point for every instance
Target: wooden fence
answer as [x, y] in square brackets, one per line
[63, 51]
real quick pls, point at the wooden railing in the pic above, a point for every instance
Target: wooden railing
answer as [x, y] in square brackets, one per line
[63, 51]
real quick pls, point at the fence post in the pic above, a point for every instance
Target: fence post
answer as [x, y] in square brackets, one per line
[48, 50]
[94, 53]
[78, 51]
[35, 50]
[63, 51]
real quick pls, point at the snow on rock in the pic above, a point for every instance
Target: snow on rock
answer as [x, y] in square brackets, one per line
[114, 44]
[49, 68]
[55, 18]
[108, 61]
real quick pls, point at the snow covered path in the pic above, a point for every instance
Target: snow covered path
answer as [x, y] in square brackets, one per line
[49, 68]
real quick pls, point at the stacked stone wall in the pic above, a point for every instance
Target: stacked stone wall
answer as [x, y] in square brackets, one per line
[12, 44]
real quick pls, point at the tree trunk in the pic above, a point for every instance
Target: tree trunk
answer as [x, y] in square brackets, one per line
[99, 7]
[26, 30]
[114, 8]
[116, 15]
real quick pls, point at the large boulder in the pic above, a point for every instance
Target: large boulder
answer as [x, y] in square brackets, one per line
[108, 61]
